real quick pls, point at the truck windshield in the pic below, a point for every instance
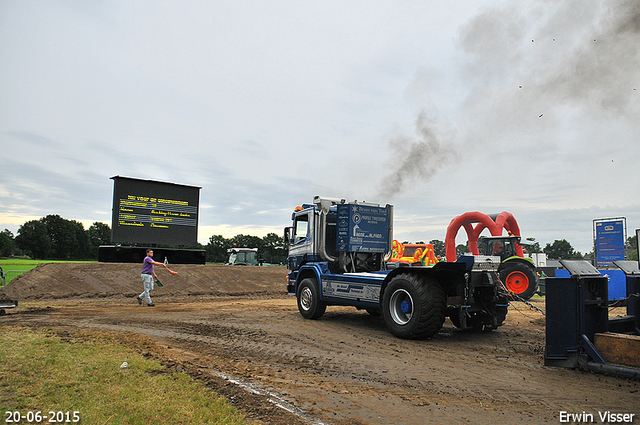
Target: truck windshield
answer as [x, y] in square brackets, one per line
[302, 228]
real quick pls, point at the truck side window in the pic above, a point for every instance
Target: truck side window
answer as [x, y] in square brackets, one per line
[302, 228]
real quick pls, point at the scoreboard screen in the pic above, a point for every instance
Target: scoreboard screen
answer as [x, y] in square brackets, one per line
[152, 212]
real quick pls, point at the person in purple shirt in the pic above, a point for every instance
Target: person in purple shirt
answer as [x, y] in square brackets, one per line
[148, 277]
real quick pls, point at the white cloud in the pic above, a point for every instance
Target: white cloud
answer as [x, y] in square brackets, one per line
[266, 105]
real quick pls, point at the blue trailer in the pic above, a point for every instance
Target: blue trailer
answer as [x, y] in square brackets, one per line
[339, 253]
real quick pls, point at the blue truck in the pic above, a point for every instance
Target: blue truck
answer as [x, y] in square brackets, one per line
[339, 254]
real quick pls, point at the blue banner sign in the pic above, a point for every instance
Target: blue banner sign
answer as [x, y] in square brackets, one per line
[609, 241]
[362, 228]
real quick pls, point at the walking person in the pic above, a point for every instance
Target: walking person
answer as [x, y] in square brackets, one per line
[148, 277]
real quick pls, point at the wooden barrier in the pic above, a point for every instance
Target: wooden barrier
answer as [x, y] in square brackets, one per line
[619, 349]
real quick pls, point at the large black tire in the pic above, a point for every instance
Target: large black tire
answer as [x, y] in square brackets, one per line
[519, 278]
[309, 303]
[413, 306]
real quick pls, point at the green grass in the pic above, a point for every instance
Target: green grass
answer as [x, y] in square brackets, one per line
[23, 265]
[29, 264]
[40, 371]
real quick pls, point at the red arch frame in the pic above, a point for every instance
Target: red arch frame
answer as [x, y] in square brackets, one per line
[504, 220]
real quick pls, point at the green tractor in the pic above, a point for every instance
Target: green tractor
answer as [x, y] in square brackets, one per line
[517, 273]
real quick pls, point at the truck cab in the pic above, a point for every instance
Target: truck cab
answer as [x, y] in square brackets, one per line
[301, 237]
[347, 237]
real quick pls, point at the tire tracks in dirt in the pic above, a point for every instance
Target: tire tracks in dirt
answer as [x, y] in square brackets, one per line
[346, 368]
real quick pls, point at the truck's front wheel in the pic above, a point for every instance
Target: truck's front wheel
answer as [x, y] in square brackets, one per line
[413, 306]
[309, 303]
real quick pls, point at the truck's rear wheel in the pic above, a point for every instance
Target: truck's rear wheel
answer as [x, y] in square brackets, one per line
[309, 303]
[413, 306]
[520, 279]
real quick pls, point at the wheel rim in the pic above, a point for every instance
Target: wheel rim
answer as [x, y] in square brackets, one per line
[517, 282]
[401, 307]
[305, 298]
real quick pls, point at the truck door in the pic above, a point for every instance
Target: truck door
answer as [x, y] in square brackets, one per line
[301, 243]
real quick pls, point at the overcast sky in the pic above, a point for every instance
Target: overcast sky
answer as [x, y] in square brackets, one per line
[531, 107]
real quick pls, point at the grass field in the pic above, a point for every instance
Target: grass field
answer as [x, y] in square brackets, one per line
[13, 267]
[81, 378]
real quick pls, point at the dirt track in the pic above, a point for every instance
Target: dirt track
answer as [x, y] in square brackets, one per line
[242, 331]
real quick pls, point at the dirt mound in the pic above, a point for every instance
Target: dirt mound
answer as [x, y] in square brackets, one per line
[92, 280]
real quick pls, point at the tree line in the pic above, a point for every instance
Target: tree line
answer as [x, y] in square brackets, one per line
[55, 238]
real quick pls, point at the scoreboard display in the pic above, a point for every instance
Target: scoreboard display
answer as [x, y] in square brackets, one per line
[153, 212]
